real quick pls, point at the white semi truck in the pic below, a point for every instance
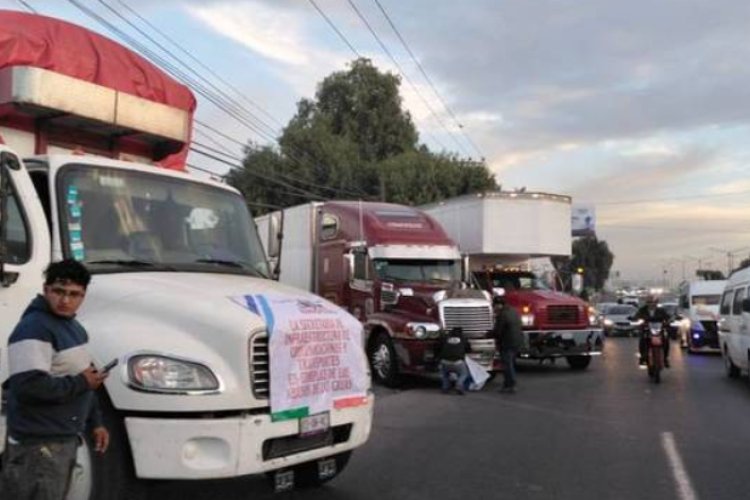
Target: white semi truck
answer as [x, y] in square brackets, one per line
[174, 261]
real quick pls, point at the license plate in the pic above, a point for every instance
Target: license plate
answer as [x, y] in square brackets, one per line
[326, 468]
[283, 480]
[314, 424]
[567, 336]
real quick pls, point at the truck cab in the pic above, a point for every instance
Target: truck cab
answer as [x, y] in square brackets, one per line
[174, 260]
[395, 269]
[554, 324]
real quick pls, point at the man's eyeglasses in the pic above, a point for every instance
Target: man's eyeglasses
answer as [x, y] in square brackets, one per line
[70, 294]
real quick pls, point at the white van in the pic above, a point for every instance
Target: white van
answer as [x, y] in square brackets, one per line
[699, 309]
[734, 328]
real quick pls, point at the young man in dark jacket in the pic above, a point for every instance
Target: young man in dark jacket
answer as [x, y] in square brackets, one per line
[509, 339]
[651, 312]
[451, 353]
[51, 399]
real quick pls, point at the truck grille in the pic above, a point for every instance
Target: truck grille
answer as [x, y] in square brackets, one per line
[475, 321]
[562, 315]
[260, 379]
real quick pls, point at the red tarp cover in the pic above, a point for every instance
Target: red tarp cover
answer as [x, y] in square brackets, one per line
[48, 43]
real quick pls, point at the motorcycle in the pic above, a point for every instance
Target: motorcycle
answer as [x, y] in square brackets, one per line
[655, 354]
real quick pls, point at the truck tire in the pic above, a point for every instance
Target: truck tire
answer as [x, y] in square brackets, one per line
[730, 368]
[578, 362]
[110, 476]
[383, 360]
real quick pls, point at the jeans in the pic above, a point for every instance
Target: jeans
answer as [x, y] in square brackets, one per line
[38, 471]
[508, 357]
[459, 368]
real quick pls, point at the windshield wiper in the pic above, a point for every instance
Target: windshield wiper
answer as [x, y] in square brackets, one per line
[124, 262]
[133, 263]
[233, 263]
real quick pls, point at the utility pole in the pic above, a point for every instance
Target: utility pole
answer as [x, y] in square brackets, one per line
[730, 256]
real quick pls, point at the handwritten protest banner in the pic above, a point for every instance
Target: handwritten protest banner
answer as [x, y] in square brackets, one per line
[317, 358]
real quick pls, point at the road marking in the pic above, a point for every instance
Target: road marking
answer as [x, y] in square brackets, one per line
[684, 487]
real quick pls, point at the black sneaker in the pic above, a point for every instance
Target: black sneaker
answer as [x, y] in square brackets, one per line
[666, 363]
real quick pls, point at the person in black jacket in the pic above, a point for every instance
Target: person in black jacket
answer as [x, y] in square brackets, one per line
[451, 353]
[651, 312]
[509, 339]
[51, 399]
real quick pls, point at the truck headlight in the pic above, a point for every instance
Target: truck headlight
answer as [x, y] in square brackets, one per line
[527, 320]
[423, 330]
[163, 374]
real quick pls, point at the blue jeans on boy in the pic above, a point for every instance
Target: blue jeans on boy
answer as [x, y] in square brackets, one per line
[459, 368]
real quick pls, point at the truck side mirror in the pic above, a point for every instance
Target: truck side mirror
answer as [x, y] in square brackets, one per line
[275, 234]
[746, 305]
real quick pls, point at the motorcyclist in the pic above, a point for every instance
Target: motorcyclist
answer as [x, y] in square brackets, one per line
[651, 312]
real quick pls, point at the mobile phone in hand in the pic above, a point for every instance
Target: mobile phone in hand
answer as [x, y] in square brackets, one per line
[106, 368]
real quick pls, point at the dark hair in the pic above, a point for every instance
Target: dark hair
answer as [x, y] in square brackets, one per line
[67, 270]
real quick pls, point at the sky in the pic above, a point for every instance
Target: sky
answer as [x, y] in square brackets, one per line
[640, 109]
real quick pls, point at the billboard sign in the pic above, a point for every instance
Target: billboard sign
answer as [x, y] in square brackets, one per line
[583, 220]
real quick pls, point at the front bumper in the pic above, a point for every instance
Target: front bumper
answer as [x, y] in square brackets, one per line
[622, 330]
[237, 446]
[561, 343]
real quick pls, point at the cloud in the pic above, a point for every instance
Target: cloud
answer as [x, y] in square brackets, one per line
[273, 33]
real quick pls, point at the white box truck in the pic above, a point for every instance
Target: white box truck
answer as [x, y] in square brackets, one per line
[505, 235]
[176, 265]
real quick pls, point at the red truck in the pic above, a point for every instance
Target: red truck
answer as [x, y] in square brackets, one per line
[391, 266]
[510, 231]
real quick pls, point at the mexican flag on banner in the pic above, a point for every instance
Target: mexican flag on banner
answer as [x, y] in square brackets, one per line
[317, 357]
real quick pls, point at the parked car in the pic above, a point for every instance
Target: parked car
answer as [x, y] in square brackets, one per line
[616, 320]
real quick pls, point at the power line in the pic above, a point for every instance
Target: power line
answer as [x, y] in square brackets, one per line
[351, 47]
[406, 77]
[673, 198]
[181, 75]
[332, 25]
[284, 176]
[296, 191]
[195, 59]
[427, 78]
[224, 95]
[28, 7]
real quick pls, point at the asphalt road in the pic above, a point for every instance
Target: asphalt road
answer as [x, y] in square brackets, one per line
[605, 433]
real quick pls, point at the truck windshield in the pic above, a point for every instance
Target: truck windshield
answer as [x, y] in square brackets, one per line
[706, 300]
[516, 281]
[135, 221]
[418, 270]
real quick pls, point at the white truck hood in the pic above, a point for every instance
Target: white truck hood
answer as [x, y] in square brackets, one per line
[195, 316]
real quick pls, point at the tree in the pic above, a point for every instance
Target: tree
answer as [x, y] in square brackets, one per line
[592, 256]
[355, 141]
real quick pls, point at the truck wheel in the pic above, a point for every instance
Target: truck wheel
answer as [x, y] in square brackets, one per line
[383, 361]
[731, 369]
[578, 362]
[110, 476]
